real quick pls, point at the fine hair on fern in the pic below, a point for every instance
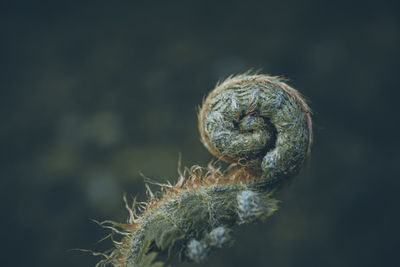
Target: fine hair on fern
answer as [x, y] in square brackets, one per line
[255, 122]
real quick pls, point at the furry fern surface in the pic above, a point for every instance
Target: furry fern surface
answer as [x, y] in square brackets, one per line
[262, 127]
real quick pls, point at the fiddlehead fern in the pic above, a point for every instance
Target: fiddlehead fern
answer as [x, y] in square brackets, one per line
[260, 121]
[260, 125]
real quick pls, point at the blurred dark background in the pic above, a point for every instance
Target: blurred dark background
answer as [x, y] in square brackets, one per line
[93, 93]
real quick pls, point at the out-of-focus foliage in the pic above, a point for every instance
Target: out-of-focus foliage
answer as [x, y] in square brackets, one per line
[93, 93]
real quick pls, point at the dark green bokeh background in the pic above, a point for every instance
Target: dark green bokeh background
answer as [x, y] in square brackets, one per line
[94, 93]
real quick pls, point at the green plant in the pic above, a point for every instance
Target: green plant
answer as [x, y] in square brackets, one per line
[262, 127]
